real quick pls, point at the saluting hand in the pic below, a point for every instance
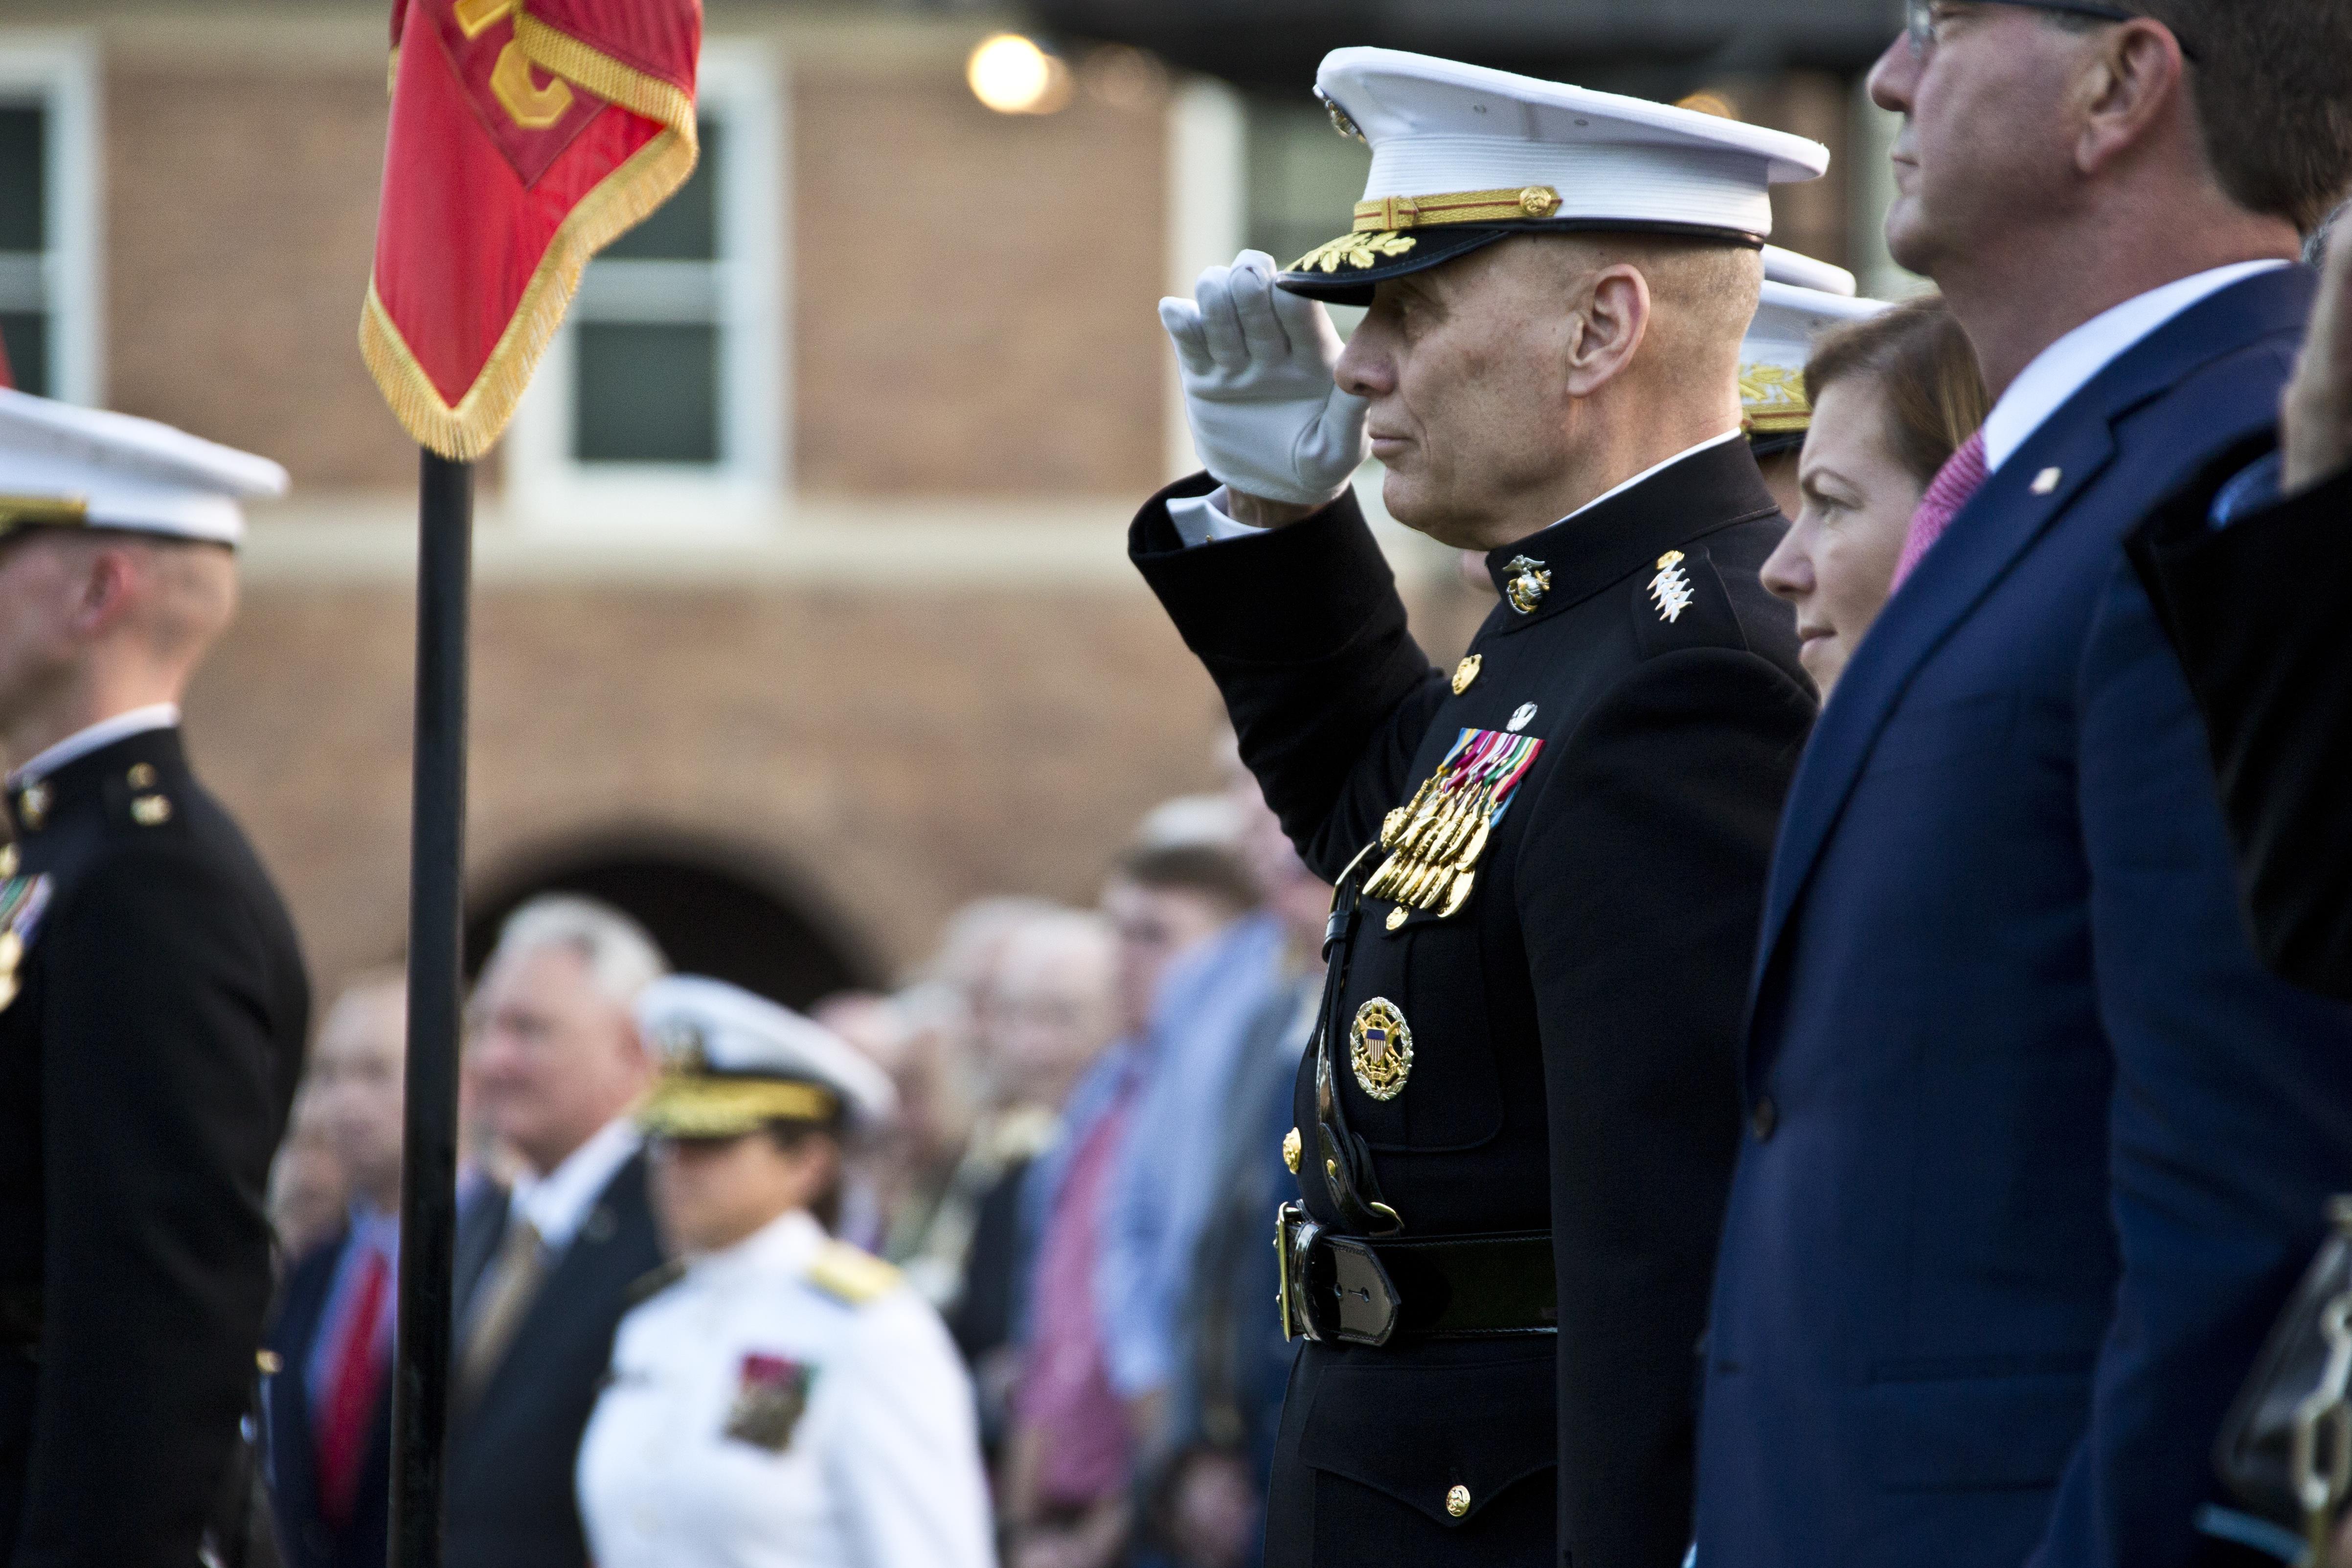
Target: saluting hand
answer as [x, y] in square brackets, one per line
[2316, 418]
[1267, 418]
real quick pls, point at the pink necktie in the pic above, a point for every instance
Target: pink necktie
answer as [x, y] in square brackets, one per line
[1956, 483]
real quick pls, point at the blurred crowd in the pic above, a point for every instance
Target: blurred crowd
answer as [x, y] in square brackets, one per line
[1086, 1141]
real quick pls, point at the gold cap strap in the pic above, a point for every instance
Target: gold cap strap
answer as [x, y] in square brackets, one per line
[1389, 213]
[42, 511]
[1772, 400]
[690, 1105]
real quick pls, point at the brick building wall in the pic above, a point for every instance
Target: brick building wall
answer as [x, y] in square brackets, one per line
[930, 678]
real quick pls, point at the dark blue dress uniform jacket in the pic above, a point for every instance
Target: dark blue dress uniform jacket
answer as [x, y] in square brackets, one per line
[2261, 614]
[145, 1073]
[2037, 1148]
[1574, 1023]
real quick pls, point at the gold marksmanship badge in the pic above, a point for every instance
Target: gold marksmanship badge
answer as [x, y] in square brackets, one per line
[1380, 1049]
[1433, 842]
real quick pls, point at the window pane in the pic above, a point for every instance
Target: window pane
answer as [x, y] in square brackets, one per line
[648, 393]
[23, 213]
[26, 334]
[685, 227]
[1305, 179]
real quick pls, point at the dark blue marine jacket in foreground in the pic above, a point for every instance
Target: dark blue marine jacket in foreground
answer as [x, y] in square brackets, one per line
[1534, 1040]
[149, 1051]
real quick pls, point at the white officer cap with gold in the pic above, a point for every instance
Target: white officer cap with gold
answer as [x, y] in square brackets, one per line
[65, 467]
[731, 1062]
[1464, 156]
[1802, 298]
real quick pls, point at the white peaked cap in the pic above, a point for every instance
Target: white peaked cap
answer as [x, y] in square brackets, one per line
[62, 464]
[1788, 266]
[1779, 344]
[1460, 150]
[731, 1059]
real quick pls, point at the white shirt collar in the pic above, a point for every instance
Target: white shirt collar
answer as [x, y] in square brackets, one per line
[782, 1246]
[557, 1202]
[2068, 365]
[105, 732]
[1654, 470]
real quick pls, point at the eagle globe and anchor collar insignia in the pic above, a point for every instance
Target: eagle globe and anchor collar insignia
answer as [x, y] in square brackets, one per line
[1435, 842]
[1529, 583]
[1380, 1049]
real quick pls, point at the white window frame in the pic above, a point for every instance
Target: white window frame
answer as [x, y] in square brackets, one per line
[549, 493]
[58, 72]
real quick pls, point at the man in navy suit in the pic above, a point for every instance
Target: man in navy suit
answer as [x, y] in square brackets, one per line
[2036, 1148]
[330, 1399]
[545, 1272]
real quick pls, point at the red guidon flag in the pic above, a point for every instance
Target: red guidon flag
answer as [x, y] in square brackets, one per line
[525, 135]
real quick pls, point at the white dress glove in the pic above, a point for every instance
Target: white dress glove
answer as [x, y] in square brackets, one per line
[1267, 418]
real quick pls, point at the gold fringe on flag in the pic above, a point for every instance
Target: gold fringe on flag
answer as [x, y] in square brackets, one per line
[622, 200]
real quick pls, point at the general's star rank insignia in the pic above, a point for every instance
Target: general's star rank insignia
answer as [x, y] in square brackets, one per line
[22, 902]
[1670, 590]
[771, 1393]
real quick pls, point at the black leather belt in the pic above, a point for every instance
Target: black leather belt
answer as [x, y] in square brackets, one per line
[1363, 1290]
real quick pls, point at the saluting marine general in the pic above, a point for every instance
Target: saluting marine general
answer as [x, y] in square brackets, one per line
[785, 1400]
[153, 1003]
[1519, 1116]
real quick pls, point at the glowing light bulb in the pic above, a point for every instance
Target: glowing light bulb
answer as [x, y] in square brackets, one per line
[1012, 75]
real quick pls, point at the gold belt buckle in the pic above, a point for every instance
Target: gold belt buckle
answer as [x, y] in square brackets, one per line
[1293, 1233]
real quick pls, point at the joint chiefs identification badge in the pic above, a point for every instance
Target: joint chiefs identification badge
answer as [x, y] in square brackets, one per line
[1380, 1047]
[771, 1393]
[22, 901]
[1434, 841]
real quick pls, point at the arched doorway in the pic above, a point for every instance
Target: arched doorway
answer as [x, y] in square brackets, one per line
[716, 909]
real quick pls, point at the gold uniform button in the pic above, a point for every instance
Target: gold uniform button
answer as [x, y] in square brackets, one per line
[1467, 671]
[1457, 1501]
[33, 805]
[7, 860]
[141, 775]
[267, 1362]
[150, 811]
[1293, 1145]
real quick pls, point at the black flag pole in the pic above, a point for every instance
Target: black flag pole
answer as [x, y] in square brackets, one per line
[428, 1182]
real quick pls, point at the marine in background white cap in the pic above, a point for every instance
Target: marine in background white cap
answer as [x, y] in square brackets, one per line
[1802, 299]
[152, 1003]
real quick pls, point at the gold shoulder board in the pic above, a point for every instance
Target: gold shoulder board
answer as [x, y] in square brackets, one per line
[851, 1274]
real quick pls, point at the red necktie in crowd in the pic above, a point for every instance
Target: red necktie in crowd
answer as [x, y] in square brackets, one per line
[1955, 484]
[347, 1415]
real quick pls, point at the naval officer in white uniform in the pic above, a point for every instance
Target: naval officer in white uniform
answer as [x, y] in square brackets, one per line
[784, 1401]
